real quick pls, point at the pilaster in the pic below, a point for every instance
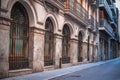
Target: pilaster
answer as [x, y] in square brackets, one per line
[57, 50]
[84, 51]
[38, 49]
[4, 46]
[74, 51]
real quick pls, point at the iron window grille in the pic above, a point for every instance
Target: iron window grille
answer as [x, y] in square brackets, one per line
[19, 38]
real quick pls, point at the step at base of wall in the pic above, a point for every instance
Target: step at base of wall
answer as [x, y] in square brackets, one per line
[19, 72]
[48, 68]
[66, 65]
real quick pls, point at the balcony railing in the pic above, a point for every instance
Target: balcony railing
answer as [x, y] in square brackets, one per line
[92, 22]
[73, 8]
[105, 26]
[96, 24]
[107, 7]
[113, 7]
[113, 1]
[114, 22]
[93, 2]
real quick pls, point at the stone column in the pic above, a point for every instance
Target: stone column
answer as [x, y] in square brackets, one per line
[84, 52]
[74, 51]
[38, 50]
[57, 50]
[4, 46]
[90, 52]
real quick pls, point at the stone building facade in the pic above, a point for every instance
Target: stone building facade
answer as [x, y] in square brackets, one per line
[108, 30]
[40, 35]
[118, 10]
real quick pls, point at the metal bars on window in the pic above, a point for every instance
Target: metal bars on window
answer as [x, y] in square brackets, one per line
[19, 38]
[66, 44]
[80, 47]
[49, 43]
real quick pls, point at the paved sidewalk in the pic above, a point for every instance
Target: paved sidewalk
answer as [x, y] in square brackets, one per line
[58, 72]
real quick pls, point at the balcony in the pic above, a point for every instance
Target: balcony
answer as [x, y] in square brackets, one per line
[109, 2]
[77, 12]
[96, 26]
[113, 1]
[104, 4]
[93, 2]
[105, 27]
[113, 8]
[114, 23]
[92, 22]
[116, 35]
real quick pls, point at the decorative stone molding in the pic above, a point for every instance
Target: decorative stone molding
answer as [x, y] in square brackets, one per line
[59, 36]
[37, 30]
[74, 40]
[5, 21]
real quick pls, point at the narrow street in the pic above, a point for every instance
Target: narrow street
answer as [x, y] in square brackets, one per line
[104, 70]
[108, 71]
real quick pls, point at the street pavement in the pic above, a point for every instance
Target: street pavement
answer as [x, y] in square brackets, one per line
[108, 71]
[104, 70]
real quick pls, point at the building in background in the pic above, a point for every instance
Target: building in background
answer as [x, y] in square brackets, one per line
[118, 11]
[40, 35]
[108, 30]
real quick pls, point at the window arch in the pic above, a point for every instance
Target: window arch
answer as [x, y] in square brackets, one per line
[65, 44]
[49, 43]
[79, 47]
[19, 38]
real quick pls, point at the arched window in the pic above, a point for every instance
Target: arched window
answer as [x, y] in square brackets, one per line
[65, 44]
[19, 38]
[79, 47]
[49, 43]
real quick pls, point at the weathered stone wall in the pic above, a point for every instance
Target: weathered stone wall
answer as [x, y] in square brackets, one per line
[38, 53]
[57, 50]
[38, 13]
[4, 47]
[84, 52]
[74, 51]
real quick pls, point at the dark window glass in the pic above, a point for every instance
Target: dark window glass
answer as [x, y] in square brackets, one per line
[79, 47]
[49, 43]
[65, 44]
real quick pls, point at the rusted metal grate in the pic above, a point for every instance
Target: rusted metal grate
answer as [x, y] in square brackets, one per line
[79, 59]
[49, 43]
[65, 60]
[48, 62]
[18, 63]
[66, 44]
